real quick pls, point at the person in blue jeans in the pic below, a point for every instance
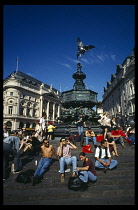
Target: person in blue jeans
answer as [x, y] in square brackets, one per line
[80, 124]
[90, 135]
[11, 146]
[87, 172]
[103, 157]
[45, 161]
[131, 135]
[132, 138]
[65, 158]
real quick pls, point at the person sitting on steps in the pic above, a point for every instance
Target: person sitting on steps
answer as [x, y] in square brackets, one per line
[103, 157]
[111, 143]
[45, 161]
[87, 172]
[117, 135]
[64, 154]
[90, 135]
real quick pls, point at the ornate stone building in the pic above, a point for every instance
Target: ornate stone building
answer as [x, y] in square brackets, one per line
[119, 95]
[24, 100]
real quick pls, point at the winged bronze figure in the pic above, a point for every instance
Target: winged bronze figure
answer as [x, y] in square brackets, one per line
[83, 48]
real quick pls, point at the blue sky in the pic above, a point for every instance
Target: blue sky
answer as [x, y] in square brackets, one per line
[44, 38]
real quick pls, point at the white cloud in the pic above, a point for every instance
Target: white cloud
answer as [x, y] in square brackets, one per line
[101, 57]
[94, 58]
[66, 65]
[73, 60]
[85, 60]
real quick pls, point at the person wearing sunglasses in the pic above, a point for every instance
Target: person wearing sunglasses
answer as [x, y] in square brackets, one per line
[65, 158]
[47, 152]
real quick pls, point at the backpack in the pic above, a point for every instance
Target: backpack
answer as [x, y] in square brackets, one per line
[25, 177]
[75, 183]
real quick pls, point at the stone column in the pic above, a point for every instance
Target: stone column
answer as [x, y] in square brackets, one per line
[41, 106]
[25, 111]
[31, 111]
[58, 111]
[18, 105]
[53, 111]
[47, 111]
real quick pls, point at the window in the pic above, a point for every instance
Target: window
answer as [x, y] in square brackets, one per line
[35, 113]
[34, 125]
[10, 109]
[21, 125]
[9, 125]
[28, 125]
[22, 103]
[11, 93]
[132, 92]
[22, 111]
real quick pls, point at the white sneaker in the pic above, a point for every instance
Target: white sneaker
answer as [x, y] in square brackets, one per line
[67, 170]
[16, 172]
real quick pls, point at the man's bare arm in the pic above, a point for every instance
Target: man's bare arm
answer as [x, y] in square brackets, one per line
[54, 151]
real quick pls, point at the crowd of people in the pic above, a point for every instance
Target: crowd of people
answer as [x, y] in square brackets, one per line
[17, 144]
[120, 133]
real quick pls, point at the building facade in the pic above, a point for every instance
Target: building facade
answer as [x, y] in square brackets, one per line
[24, 100]
[119, 94]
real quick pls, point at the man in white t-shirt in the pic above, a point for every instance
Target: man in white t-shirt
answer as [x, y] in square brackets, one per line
[103, 157]
[43, 123]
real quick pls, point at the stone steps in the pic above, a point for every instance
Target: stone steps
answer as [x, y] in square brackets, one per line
[63, 193]
[55, 184]
[114, 200]
[116, 187]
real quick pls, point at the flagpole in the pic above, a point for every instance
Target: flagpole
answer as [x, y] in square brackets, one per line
[16, 64]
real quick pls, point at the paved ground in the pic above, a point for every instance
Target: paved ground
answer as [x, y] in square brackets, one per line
[116, 187]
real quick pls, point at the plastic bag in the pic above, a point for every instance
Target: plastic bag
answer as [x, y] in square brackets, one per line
[87, 149]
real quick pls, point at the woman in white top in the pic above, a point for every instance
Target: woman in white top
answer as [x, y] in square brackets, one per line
[101, 121]
[107, 125]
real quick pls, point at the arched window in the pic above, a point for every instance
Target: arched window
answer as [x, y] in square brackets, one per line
[21, 125]
[28, 125]
[34, 125]
[9, 125]
[10, 109]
